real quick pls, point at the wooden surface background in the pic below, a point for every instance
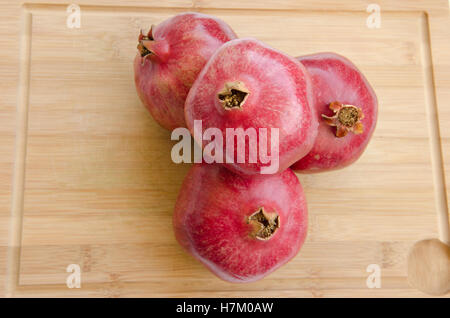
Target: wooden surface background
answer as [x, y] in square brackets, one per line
[86, 175]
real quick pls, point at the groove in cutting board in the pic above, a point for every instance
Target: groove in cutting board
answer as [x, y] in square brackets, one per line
[15, 235]
[435, 138]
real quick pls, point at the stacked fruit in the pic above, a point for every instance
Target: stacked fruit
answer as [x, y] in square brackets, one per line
[239, 223]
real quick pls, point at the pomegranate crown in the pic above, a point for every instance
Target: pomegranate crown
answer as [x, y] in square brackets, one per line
[144, 42]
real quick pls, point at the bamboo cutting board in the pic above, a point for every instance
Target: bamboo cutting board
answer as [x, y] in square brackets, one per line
[87, 178]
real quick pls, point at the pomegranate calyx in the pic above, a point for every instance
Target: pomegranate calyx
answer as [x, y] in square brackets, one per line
[233, 95]
[346, 118]
[264, 224]
[143, 44]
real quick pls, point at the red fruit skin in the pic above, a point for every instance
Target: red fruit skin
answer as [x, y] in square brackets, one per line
[335, 78]
[182, 44]
[280, 97]
[210, 220]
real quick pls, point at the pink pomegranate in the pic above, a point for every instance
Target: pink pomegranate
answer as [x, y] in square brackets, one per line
[240, 227]
[169, 59]
[346, 107]
[249, 86]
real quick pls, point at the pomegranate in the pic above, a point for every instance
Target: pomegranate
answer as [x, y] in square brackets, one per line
[346, 107]
[170, 57]
[240, 227]
[247, 85]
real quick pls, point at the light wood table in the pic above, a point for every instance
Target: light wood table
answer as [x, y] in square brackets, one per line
[87, 178]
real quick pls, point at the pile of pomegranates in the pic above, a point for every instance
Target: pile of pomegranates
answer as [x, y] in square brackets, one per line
[315, 113]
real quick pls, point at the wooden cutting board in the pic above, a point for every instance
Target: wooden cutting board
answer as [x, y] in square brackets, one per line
[87, 178]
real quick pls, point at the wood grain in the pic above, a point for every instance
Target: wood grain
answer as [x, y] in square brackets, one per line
[99, 185]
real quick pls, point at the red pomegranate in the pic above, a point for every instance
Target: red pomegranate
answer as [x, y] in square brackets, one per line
[240, 227]
[170, 57]
[346, 108]
[249, 86]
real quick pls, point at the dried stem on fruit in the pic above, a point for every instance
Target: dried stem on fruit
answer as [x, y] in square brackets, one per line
[144, 42]
[346, 118]
[264, 224]
[233, 95]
